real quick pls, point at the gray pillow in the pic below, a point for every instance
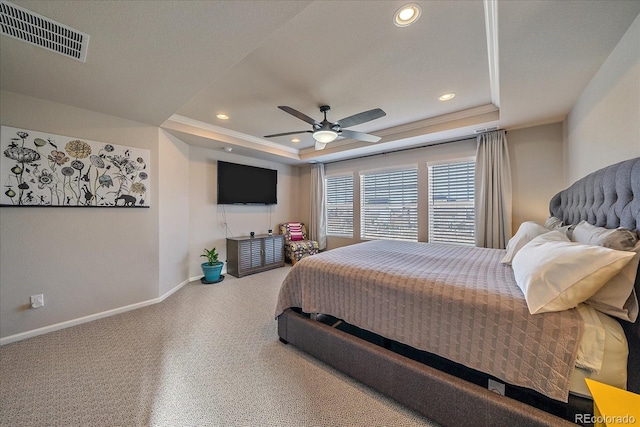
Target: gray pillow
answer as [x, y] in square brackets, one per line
[553, 223]
[620, 239]
[618, 297]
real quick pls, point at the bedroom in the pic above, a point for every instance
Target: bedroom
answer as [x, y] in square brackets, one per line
[163, 242]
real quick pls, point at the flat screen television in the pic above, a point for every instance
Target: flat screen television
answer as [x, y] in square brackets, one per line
[246, 185]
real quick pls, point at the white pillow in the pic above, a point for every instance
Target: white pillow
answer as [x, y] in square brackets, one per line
[527, 232]
[618, 297]
[556, 274]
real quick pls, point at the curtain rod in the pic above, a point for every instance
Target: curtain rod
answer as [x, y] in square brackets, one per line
[384, 153]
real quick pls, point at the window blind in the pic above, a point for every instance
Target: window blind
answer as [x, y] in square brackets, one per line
[389, 205]
[451, 203]
[339, 203]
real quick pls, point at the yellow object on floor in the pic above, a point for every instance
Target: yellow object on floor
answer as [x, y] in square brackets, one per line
[613, 406]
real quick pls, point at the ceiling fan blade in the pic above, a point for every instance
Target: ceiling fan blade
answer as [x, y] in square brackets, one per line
[320, 145]
[361, 136]
[298, 114]
[365, 116]
[287, 133]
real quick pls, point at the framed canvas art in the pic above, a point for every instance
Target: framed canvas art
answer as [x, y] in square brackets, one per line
[46, 170]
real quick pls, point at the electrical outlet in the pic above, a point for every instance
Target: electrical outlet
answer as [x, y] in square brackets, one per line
[37, 301]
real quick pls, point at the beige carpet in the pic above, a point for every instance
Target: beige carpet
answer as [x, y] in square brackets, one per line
[209, 355]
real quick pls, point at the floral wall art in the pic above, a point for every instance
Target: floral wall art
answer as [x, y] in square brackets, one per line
[39, 169]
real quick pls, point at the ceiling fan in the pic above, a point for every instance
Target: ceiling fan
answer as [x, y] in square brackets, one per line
[325, 131]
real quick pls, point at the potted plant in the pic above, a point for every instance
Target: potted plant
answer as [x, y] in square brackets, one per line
[212, 267]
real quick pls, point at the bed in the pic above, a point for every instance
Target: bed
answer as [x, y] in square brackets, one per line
[430, 324]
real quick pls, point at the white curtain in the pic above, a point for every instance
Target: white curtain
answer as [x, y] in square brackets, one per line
[318, 221]
[493, 191]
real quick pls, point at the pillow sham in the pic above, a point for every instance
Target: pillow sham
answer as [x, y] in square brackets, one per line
[620, 238]
[526, 232]
[618, 297]
[556, 274]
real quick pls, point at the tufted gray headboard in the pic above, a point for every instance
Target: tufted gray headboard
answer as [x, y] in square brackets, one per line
[609, 197]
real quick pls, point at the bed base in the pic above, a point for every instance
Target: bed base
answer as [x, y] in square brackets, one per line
[439, 396]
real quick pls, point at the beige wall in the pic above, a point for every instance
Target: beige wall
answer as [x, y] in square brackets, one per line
[84, 261]
[173, 185]
[536, 171]
[603, 126]
[207, 218]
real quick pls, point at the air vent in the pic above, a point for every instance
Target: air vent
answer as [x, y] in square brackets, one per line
[25, 25]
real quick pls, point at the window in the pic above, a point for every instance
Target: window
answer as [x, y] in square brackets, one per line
[339, 198]
[451, 203]
[389, 205]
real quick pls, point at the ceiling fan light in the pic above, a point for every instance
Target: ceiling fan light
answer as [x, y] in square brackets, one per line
[325, 136]
[320, 145]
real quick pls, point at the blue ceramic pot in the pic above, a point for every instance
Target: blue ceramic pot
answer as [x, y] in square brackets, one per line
[212, 272]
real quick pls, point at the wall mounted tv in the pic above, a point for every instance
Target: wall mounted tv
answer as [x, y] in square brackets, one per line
[246, 185]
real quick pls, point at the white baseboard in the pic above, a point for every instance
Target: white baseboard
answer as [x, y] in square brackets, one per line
[62, 325]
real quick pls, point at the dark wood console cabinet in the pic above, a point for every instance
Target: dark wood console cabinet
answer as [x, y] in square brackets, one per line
[248, 255]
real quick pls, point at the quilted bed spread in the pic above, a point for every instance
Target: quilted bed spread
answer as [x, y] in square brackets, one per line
[455, 301]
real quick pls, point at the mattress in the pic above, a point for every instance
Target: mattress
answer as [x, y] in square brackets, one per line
[604, 345]
[455, 301]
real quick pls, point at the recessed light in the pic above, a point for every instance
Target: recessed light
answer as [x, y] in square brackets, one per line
[295, 140]
[228, 149]
[447, 96]
[407, 15]
[222, 116]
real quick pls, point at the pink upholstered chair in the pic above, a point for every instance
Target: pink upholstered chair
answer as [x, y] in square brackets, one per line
[296, 242]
